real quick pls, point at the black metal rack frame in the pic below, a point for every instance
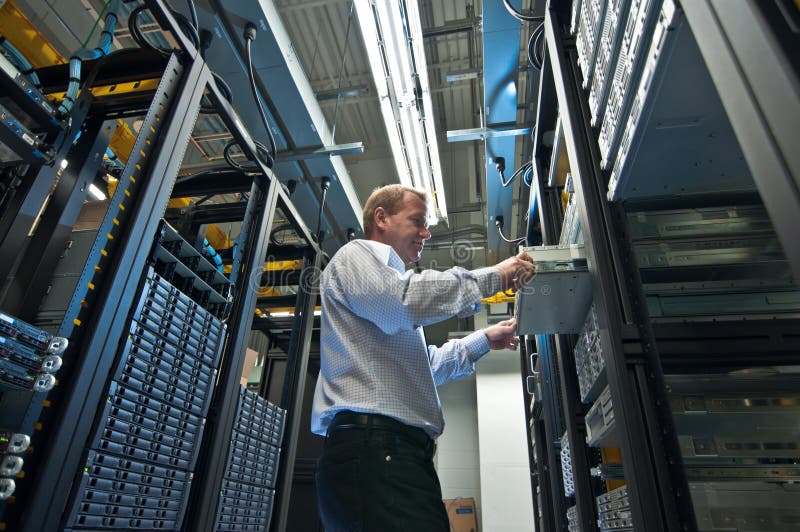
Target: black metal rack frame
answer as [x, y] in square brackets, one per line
[635, 350]
[106, 291]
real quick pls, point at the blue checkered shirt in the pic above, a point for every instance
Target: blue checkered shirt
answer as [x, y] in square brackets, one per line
[374, 358]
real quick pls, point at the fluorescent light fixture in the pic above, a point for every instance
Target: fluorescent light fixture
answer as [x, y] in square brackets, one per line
[96, 192]
[287, 314]
[63, 164]
[393, 39]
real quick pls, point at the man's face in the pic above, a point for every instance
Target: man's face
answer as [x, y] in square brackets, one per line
[407, 230]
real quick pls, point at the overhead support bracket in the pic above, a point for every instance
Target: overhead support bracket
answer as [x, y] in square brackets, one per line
[483, 133]
[463, 75]
[451, 27]
[321, 152]
[346, 92]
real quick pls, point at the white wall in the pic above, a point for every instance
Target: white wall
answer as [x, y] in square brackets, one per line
[457, 459]
[504, 468]
[483, 450]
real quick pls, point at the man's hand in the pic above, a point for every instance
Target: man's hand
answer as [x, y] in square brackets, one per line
[502, 335]
[516, 271]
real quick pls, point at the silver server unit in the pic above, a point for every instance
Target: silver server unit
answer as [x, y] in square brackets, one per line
[635, 40]
[589, 27]
[614, 510]
[608, 47]
[600, 422]
[676, 139]
[746, 506]
[712, 263]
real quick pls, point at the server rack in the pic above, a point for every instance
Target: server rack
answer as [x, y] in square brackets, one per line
[695, 299]
[164, 360]
[251, 465]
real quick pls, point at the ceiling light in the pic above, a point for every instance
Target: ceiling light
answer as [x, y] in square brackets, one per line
[401, 81]
[96, 192]
[287, 314]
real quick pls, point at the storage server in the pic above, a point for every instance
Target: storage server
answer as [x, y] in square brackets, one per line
[143, 451]
[245, 502]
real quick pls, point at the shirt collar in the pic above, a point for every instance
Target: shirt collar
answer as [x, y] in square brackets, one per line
[386, 254]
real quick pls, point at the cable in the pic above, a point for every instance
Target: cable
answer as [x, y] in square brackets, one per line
[226, 152]
[498, 223]
[519, 16]
[193, 14]
[325, 184]
[101, 50]
[536, 47]
[250, 36]
[526, 178]
[21, 62]
[516, 173]
[279, 229]
[136, 32]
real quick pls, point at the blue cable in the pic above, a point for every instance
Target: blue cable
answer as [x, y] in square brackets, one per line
[213, 254]
[102, 49]
[19, 60]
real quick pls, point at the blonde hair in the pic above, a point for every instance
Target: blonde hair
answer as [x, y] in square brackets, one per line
[390, 197]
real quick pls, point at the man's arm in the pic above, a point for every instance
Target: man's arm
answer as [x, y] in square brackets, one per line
[396, 302]
[399, 302]
[456, 358]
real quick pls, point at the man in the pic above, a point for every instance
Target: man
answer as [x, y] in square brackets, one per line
[376, 398]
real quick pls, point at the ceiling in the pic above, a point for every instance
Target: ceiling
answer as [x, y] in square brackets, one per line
[326, 39]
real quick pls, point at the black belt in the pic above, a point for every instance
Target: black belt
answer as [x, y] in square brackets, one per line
[354, 420]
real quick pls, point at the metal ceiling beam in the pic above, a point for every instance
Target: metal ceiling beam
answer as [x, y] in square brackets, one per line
[452, 27]
[483, 133]
[321, 152]
[345, 92]
[291, 104]
[463, 75]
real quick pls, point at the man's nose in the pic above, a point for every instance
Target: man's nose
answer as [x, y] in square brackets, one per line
[425, 233]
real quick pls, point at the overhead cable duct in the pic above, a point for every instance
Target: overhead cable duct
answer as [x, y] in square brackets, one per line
[102, 49]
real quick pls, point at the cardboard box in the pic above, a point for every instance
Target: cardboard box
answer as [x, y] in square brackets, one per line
[462, 515]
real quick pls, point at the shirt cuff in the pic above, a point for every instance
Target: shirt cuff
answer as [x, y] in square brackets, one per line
[488, 280]
[476, 344]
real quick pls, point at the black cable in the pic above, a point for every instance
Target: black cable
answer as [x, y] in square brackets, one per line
[133, 28]
[276, 230]
[519, 16]
[325, 184]
[226, 152]
[249, 36]
[193, 14]
[516, 173]
[136, 32]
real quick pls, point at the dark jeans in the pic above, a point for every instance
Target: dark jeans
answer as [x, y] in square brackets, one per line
[375, 479]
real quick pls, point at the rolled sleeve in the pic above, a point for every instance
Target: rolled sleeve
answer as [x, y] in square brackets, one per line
[488, 280]
[476, 345]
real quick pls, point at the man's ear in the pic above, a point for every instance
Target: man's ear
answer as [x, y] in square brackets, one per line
[380, 218]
